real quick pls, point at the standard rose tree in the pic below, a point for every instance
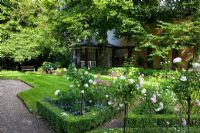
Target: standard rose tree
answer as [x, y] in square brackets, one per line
[186, 86]
[127, 89]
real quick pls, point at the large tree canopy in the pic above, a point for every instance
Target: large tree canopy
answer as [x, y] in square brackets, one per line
[25, 33]
[51, 26]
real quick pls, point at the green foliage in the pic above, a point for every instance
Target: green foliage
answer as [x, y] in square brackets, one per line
[22, 46]
[144, 130]
[50, 66]
[64, 122]
[170, 36]
[26, 36]
[155, 95]
[151, 121]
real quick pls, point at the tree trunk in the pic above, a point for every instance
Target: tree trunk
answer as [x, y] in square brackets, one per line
[125, 116]
[81, 106]
[189, 109]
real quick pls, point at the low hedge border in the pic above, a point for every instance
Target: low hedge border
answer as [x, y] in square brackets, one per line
[150, 130]
[72, 124]
[162, 120]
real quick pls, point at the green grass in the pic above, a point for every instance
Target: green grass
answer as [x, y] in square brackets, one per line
[43, 86]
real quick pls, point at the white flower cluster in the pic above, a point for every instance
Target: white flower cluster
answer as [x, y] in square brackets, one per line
[64, 114]
[64, 69]
[110, 103]
[141, 80]
[122, 77]
[86, 72]
[137, 86]
[71, 86]
[92, 82]
[56, 93]
[131, 81]
[82, 91]
[154, 98]
[86, 85]
[196, 66]
[197, 103]
[177, 60]
[161, 106]
[143, 92]
[183, 78]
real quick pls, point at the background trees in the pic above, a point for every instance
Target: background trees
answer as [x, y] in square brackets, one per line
[25, 35]
[50, 27]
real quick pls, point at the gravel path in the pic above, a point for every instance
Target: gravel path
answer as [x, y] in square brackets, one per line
[14, 117]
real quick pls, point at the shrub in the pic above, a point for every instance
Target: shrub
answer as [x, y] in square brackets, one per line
[48, 66]
[164, 120]
[156, 94]
[64, 122]
[152, 130]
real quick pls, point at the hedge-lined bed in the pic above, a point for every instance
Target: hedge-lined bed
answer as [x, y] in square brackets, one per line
[149, 130]
[73, 124]
[162, 120]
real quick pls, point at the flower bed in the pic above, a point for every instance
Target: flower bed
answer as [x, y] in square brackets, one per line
[163, 121]
[63, 122]
[152, 130]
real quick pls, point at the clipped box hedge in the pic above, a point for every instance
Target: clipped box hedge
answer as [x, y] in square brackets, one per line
[152, 130]
[162, 120]
[70, 123]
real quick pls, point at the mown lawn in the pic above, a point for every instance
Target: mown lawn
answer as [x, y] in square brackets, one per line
[43, 86]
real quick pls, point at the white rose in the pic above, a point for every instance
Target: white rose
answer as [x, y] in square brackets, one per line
[110, 103]
[196, 66]
[158, 109]
[106, 96]
[90, 81]
[177, 60]
[121, 105]
[64, 69]
[90, 101]
[122, 77]
[197, 102]
[86, 72]
[143, 91]
[64, 114]
[86, 85]
[183, 78]
[141, 81]
[56, 92]
[161, 105]
[131, 81]
[71, 86]
[82, 91]
[137, 86]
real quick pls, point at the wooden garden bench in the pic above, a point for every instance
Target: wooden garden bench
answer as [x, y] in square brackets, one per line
[28, 68]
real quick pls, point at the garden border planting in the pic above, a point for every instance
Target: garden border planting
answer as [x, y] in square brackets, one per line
[152, 130]
[162, 120]
[72, 124]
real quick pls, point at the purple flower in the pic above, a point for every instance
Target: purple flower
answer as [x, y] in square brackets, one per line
[197, 103]
[184, 122]
[153, 99]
